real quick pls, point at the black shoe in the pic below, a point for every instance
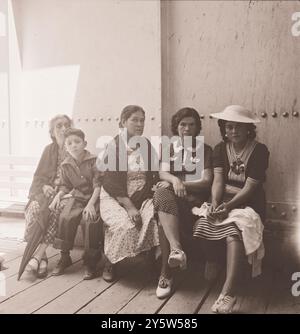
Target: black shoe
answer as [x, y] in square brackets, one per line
[64, 262]
[108, 272]
[90, 273]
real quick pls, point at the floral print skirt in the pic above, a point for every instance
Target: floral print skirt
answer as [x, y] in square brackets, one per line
[122, 239]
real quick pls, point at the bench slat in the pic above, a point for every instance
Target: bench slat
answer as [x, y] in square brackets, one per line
[18, 160]
[15, 185]
[17, 173]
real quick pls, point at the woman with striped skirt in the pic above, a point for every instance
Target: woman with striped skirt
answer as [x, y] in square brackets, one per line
[237, 206]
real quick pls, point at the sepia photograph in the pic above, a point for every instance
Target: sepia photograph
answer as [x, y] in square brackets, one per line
[149, 159]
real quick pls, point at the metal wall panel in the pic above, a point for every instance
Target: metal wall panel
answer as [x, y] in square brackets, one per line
[217, 53]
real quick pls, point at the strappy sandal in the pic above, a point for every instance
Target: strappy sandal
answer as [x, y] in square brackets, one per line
[227, 304]
[177, 258]
[43, 268]
[224, 304]
[217, 303]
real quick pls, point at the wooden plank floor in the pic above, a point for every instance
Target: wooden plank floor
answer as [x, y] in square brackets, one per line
[134, 290]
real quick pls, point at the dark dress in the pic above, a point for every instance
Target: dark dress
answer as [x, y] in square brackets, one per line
[255, 169]
[166, 201]
[252, 164]
[47, 173]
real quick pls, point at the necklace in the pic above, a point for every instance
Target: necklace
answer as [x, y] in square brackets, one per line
[238, 166]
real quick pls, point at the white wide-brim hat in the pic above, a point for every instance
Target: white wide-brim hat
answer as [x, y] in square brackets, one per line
[235, 113]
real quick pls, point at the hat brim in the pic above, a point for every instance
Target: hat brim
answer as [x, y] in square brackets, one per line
[239, 119]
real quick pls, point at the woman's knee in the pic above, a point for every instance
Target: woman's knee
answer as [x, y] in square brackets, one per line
[233, 238]
[161, 194]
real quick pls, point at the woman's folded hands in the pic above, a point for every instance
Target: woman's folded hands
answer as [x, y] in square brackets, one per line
[217, 212]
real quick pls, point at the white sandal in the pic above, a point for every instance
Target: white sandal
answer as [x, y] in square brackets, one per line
[224, 304]
[217, 303]
[164, 287]
[177, 258]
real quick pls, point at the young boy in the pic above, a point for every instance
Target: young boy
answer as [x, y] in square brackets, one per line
[79, 190]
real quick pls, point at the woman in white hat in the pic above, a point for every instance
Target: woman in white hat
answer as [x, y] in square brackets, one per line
[238, 198]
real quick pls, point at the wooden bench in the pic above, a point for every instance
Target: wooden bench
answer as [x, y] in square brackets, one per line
[16, 174]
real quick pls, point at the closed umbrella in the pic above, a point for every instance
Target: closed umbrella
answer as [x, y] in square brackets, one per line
[36, 236]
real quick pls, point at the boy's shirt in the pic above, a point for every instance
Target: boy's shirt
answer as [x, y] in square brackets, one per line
[80, 178]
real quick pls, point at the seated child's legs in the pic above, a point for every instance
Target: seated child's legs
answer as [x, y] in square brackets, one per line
[93, 241]
[64, 240]
[66, 233]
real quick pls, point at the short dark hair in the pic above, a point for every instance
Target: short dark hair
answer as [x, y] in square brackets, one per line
[76, 132]
[182, 113]
[250, 127]
[128, 111]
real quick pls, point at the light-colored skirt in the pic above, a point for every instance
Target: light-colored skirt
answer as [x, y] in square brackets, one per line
[122, 239]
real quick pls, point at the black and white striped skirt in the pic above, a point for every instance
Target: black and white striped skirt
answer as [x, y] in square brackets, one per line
[204, 229]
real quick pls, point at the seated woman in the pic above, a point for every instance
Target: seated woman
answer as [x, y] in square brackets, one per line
[44, 186]
[184, 189]
[238, 198]
[126, 204]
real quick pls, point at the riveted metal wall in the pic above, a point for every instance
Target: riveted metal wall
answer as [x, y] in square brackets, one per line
[217, 53]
